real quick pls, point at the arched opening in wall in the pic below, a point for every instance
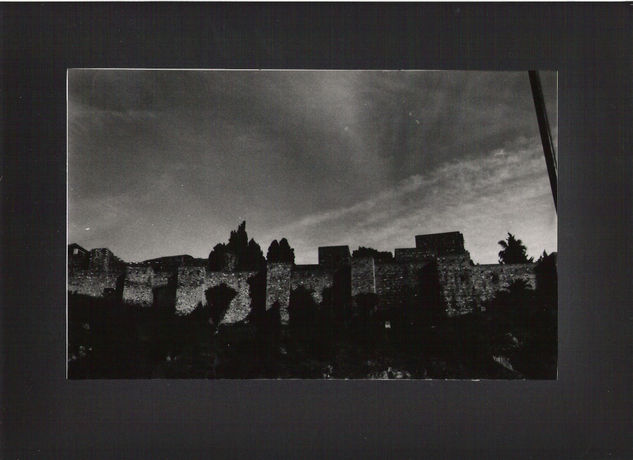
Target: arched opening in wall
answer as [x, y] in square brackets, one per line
[218, 301]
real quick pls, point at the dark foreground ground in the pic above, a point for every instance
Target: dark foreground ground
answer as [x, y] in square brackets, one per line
[515, 337]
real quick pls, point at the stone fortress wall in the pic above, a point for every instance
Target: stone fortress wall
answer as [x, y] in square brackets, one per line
[463, 286]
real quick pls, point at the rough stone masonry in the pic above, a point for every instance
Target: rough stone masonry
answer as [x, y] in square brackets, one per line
[463, 286]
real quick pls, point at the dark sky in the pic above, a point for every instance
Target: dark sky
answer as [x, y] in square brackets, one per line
[168, 162]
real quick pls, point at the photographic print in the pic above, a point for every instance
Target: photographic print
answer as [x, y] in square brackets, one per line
[303, 224]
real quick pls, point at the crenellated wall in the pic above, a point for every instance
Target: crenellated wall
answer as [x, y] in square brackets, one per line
[488, 280]
[439, 262]
[466, 287]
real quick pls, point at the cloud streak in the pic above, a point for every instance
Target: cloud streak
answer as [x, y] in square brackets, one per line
[480, 197]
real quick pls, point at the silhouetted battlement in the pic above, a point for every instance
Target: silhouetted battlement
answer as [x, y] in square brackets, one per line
[440, 244]
[438, 267]
[334, 256]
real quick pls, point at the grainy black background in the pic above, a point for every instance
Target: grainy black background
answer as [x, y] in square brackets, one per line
[586, 413]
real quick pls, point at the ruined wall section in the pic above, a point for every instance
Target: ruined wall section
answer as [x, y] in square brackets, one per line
[137, 286]
[162, 277]
[92, 282]
[363, 276]
[78, 258]
[488, 280]
[313, 278]
[456, 289]
[466, 287]
[278, 276]
[463, 287]
[103, 260]
[240, 306]
[190, 289]
[99, 274]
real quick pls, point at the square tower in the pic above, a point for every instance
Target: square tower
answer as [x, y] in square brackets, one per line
[441, 244]
[334, 256]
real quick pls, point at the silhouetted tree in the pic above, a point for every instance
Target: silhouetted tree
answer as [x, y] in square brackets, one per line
[217, 257]
[513, 252]
[280, 252]
[384, 256]
[273, 252]
[238, 240]
[286, 253]
[248, 253]
[252, 258]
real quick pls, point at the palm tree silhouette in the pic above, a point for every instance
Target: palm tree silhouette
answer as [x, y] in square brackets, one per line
[514, 251]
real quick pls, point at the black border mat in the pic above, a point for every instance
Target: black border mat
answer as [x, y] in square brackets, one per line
[586, 413]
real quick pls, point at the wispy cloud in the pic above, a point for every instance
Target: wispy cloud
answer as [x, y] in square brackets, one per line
[169, 162]
[476, 196]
